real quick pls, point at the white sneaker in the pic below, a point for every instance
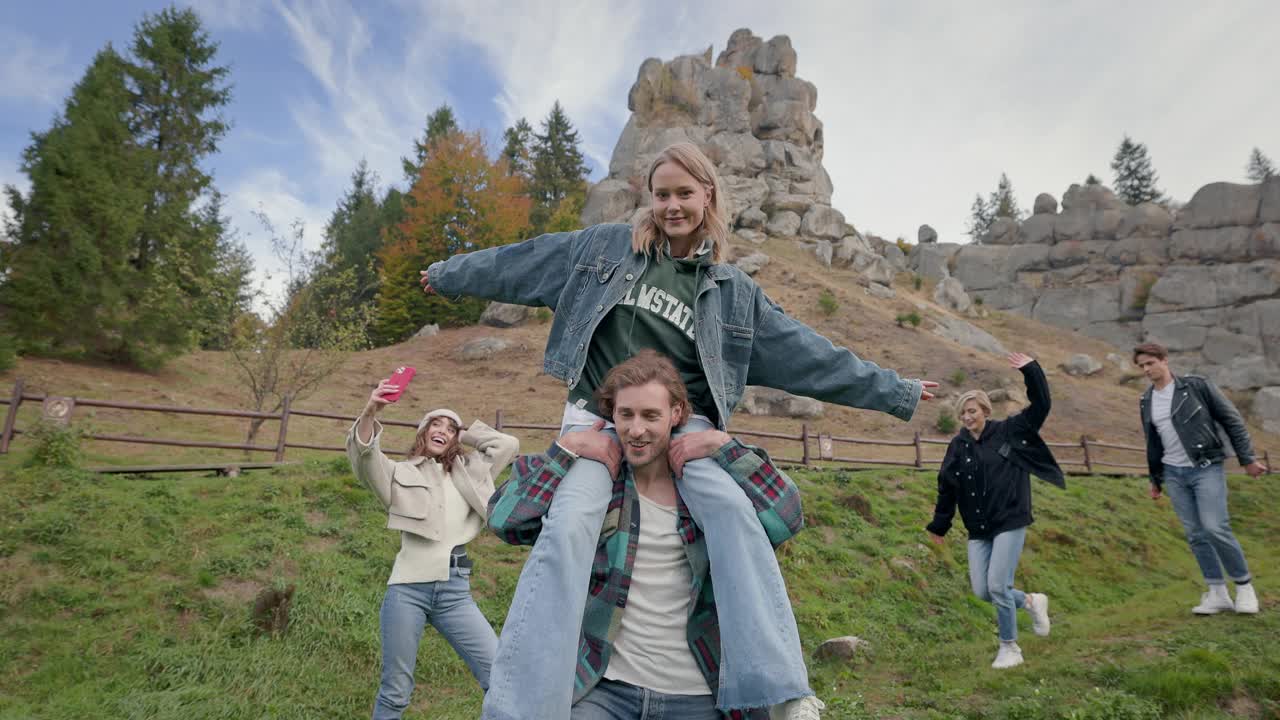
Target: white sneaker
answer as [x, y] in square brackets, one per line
[1246, 599]
[1214, 601]
[1008, 656]
[805, 708]
[1038, 608]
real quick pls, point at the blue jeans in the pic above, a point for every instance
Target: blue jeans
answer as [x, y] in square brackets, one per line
[991, 567]
[614, 700]
[761, 661]
[406, 609]
[1199, 497]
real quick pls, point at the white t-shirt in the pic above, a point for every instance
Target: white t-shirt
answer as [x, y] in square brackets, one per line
[651, 649]
[1161, 417]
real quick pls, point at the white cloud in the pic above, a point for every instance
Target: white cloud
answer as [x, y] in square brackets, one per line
[373, 103]
[583, 53]
[245, 15]
[269, 192]
[30, 72]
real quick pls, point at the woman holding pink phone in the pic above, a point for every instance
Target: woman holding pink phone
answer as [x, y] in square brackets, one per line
[437, 499]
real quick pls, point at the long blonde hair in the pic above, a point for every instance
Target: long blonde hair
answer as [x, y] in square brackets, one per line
[646, 235]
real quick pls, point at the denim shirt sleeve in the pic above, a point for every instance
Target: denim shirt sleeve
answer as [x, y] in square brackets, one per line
[788, 355]
[532, 272]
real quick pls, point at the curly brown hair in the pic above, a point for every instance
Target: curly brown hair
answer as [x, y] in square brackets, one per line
[645, 367]
[453, 453]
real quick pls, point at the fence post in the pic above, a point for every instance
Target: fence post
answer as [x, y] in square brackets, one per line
[1088, 464]
[1266, 456]
[497, 420]
[804, 443]
[919, 451]
[284, 427]
[11, 416]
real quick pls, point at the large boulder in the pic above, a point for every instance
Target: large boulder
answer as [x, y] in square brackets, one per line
[1090, 198]
[846, 648]
[1266, 408]
[933, 261]
[926, 234]
[1147, 219]
[482, 348]
[950, 294]
[1269, 209]
[969, 335]
[1004, 231]
[823, 222]
[770, 401]
[1222, 203]
[502, 315]
[1045, 204]
[1196, 286]
[753, 263]
[753, 218]
[1220, 244]
[783, 223]
[609, 201]
[1081, 364]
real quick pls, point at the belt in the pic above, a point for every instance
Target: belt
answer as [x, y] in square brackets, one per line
[458, 557]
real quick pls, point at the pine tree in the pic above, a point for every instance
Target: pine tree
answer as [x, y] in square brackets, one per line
[980, 218]
[67, 266]
[178, 93]
[999, 204]
[559, 170]
[1260, 168]
[439, 124]
[1092, 180]
[1135, 177]
[516, 149]
[1002, 202]
[353, 235]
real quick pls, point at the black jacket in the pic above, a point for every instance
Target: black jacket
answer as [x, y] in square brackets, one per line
[990, 478]
[1206, 422]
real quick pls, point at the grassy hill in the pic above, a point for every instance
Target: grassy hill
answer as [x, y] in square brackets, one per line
[129, 597]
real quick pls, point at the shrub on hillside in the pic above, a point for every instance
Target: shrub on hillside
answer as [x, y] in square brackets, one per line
[947, 423]
[56, 446]
[827, 303]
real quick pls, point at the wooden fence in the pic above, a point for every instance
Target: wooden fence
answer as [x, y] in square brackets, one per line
[61, 409]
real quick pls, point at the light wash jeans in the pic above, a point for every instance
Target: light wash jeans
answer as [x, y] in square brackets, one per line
[406, 609]
[1199, 497]
[761, 661]
[991, 567]
[615, 700]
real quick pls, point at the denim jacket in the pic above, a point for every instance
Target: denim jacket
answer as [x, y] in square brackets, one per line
[742, 337]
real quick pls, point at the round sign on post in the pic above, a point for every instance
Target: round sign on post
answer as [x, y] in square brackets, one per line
[58, 409]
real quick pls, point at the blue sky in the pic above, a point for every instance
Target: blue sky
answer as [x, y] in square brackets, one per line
[924, 103]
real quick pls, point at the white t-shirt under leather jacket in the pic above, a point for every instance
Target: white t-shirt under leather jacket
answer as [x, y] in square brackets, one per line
[433, 510]
[1206, 422]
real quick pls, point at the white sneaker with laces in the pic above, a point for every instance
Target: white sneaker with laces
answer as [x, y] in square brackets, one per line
[1214, 601]
[1008, 656]
[805, 708]
[1038, 608]
[1246, 599]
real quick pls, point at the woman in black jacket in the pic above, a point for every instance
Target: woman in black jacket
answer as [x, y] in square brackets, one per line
[987, 472]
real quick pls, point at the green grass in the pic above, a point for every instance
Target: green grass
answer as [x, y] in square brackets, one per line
[129, 597]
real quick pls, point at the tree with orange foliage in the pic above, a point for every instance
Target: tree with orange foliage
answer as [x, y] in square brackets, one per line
[461, 201]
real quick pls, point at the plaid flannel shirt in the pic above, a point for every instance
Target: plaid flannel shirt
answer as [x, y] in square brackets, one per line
[515, 515]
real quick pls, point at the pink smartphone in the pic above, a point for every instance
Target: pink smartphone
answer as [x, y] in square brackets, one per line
[401, 377]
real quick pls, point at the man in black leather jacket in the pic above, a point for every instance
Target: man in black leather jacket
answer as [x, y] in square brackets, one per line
[1190, 428]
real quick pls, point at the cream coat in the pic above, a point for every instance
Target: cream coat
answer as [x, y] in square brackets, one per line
[417, 492]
